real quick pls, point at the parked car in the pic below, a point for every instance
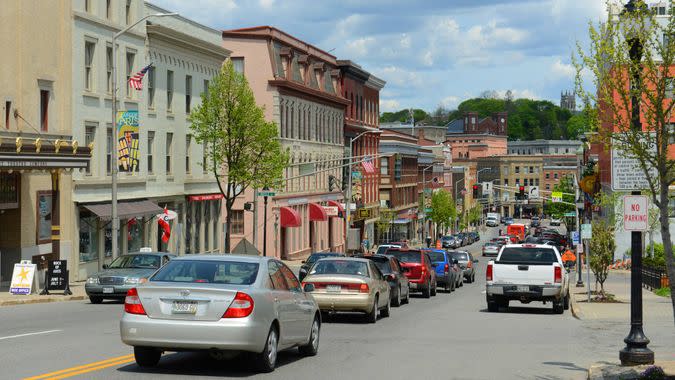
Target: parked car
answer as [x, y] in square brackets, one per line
[400, 288]
[446, 271]
[382, 249]
[526, 273]
[217, 303]
[535, 222]
[314, 257]
[502, 219]
[457, 241]
[491, 221]
[418, 268]
[448, 241]
[350, 284]
[124, 273]
[555, 222]
[475, 236]
[464, 239]
[466, 261]
[508, 220]
[491, 248]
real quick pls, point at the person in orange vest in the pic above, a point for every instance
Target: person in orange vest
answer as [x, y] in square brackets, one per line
[569, 258]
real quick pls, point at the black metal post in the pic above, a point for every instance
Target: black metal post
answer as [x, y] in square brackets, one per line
[636, 351]
[265, 227]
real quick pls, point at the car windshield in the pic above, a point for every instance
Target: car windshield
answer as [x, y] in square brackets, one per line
[461, 256]
[314, 257]
[407, 257]
[208, 271]
[349, 267]
[136, 261]
[382, 264]
[436, 256]
[531, 255]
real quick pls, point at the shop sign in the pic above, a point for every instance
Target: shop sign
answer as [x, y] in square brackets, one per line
[128, 150]
[22, 278]
[331, 210]
[556, 196]
[205, 197]
[57, 275]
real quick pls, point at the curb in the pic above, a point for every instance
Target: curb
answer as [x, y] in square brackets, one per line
[41, 300]
[574, 307]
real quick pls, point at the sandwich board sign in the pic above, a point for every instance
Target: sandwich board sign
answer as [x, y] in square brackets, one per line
[22, 278]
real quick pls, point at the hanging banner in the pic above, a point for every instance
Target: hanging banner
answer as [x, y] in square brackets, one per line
[128, 153]
[22, 278]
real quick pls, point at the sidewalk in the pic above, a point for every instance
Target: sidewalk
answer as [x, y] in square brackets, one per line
[7, 299]
[655, 308]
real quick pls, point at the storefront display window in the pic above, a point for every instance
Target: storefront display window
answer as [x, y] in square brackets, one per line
[108, 241]
[88, 238]
[135, 228]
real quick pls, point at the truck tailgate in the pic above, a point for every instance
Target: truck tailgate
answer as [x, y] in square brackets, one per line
[523, 274]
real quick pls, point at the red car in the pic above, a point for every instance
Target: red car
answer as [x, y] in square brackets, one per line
[418, 268]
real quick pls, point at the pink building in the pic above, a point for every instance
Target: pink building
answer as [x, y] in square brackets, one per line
[300, 87]
[472, 137]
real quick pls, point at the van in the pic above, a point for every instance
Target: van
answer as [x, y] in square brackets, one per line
[517, 230]
[491, 221]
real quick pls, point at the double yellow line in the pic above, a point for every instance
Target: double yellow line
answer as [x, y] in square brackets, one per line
[86, 368]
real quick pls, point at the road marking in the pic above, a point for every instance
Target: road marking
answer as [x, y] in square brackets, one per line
[78, 370]
[28, 334]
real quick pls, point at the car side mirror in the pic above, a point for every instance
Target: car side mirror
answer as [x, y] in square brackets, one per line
[309, 287]
[105, 266]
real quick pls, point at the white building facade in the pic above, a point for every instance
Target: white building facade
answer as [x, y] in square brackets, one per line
[169, 173]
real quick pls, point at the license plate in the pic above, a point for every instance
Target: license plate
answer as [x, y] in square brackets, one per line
[523, 288]
[108, 290]
[333, 288]
[182, 307]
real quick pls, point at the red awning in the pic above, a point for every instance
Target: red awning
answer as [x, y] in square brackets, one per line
[317, 213]
[336, 204]
[289, 217]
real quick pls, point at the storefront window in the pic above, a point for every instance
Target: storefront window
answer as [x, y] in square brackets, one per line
[88, 238]
[108, 241]
[198, 224]
[135, 234]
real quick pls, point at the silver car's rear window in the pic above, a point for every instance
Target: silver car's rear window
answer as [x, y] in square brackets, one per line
[358, 268]
[207, 271]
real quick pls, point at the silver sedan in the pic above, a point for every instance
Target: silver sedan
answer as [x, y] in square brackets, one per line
[221, 303]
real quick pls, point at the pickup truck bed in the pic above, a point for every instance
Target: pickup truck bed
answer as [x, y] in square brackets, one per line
[526, 273]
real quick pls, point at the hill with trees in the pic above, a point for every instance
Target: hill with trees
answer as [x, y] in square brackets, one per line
[528, 119]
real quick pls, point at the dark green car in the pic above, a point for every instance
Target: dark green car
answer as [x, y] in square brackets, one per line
[124, 273]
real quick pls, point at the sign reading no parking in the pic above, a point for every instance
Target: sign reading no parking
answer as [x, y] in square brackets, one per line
[635, 213]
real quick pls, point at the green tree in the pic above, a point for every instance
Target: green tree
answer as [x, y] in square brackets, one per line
[443, 210]
[577, 125]
[242, 149]
[601, 254]
[558, 209]
[621, 72]
[475, 213]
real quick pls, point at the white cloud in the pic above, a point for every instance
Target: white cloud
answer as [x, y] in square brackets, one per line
[405, 41]
[428, 58]
[388, 105]
[267, 4]
[361, 46]
[518, 94]
[564, 70]
[450, 102]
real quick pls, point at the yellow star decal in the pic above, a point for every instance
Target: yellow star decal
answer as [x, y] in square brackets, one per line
[23, 276]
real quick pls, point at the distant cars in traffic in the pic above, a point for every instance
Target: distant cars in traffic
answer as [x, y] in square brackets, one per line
[465, 261]
[314, 257]
[491, 248]
[508, 221]
[221, 303]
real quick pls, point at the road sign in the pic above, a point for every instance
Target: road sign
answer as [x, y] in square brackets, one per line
[626, 171]
[570, 214]
[486, 188]
[575, 237]
[534, 192]
[586, 231]
[427, 210]
[556, 196]
[635, 213]
[331, 210]
[266, 193]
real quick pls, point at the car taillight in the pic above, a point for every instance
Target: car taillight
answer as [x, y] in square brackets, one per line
[447, 268]
[132, 303]
[241, 306]
[557, 275]
[469, 264]
[364, 288]
[488, 273]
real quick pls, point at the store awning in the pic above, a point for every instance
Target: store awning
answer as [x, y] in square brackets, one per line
[289, 217]
[336, 204]
[317, 213]
[125, 209]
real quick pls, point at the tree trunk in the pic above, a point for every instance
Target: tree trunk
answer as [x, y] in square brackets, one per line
[228, 226]
[667, 243]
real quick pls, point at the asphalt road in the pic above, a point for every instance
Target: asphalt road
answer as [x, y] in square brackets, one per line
[450, 336]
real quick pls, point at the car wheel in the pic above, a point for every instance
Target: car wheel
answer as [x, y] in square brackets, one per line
[407, 297]
[426, 291]
[503, 303]
[386, 312]
[397, 300]
[492, 307]
[558, 306]
[448, 287]
[95, 300]
[566, 302]
[267, 359]
[147, 356]
[312, 347]
[371, 317]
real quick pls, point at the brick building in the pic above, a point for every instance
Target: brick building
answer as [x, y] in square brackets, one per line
[472, 137]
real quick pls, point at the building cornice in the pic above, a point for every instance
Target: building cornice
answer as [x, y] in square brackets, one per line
[299, 87]
[112, 27]
[186, 41]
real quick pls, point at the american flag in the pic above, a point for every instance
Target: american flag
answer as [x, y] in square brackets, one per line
[368, 166]
[136, 81]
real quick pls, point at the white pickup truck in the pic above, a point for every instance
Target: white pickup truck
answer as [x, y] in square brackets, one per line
[526, 273]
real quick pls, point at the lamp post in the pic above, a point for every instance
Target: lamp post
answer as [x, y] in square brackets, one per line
[348, 193]
[113, 160]
[636, 351]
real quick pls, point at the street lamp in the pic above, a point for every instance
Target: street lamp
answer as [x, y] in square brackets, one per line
[348, 193]
[113, 159]
[636, 351]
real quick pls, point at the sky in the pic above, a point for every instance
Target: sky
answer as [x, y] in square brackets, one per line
[430, 52]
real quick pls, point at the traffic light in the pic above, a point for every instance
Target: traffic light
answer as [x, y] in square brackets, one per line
[521, 192]
[475, 191]
[331, 182]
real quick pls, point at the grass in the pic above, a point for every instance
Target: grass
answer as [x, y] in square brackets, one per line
[663, 292]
